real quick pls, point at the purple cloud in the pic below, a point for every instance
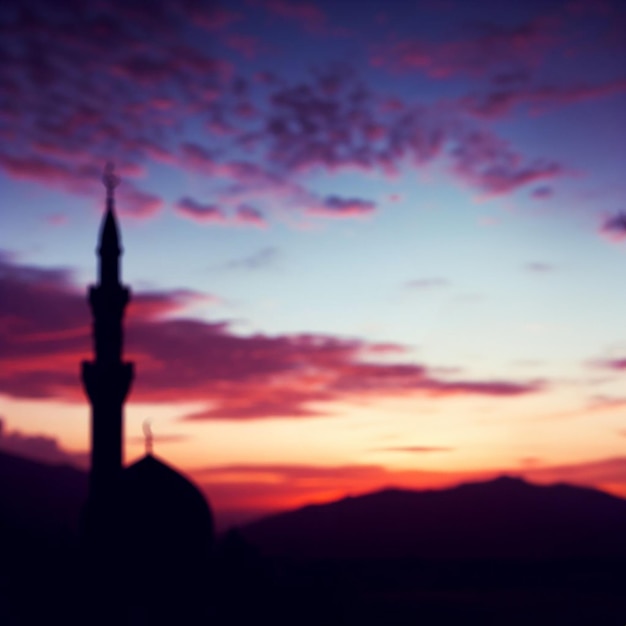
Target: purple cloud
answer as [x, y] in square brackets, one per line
[335, 206]
[45, 332]
[203, 213]
[248, 215]
[614, 226]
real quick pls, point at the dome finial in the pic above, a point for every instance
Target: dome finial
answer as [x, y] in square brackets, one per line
[149, 438]
[110, 179]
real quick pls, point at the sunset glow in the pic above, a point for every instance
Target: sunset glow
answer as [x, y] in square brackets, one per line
[369, 244]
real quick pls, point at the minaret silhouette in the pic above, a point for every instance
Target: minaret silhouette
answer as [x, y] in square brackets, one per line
[107, 379]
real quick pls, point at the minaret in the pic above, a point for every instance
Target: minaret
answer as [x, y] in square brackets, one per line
[107, 379]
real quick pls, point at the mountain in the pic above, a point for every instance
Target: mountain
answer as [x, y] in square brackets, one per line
[502, 518]
[506, 518]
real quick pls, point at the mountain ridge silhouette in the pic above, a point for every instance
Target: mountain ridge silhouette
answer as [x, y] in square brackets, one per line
[506, 518]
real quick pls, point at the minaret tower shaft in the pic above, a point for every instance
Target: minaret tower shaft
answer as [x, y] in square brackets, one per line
[107, 379]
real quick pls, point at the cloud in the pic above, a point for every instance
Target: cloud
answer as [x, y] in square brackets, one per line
[242, 491]
[248, 215]
[45, 332]
[607, 474]
[38, 447]
[485, 49]
[427, 283]
[602, 402]
[244, 214]
[203, 213]
[335, 206]
[489, 163]
[498, 102]
[137, 203]
[542, 192]
[135, 103]
[132, 103]
[614, 226]
[612, 364]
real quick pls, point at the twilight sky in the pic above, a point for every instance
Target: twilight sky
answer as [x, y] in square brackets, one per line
[370, 242]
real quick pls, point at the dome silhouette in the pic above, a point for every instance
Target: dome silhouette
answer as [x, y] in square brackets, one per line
[166, 521]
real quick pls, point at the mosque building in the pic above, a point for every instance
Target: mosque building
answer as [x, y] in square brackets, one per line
[147, 513]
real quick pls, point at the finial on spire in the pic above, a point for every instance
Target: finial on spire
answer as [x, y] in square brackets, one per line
[149, 438]
[110, 179]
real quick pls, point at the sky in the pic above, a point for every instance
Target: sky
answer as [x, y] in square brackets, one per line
[369, 243]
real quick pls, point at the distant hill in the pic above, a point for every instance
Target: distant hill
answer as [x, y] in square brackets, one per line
[502, 518]
[40, 498]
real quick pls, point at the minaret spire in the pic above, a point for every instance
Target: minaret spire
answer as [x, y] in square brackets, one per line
[109, 249]
[107, 378]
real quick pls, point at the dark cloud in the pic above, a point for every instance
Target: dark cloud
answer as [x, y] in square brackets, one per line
[503, 101]
[256, 134]
[489, 163]
[335, 206]
[543, 192]
[46, 331]
[484, 49]
[614, 226]
[199, 212]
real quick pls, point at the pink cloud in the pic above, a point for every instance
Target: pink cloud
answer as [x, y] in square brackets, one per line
[203, 213]
[542, 192]
[613, 364]
[243, 491]
[137, 203]
[248, 215]
[45, 332]
[336, 206]
[56, 219]
[614, 227]
[502, 101]
[489, 163]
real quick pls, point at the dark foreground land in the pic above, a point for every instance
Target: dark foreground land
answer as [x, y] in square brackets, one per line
[541, 556]
[44, 581]
[51, 587]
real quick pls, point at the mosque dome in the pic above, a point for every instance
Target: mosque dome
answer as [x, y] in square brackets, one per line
[165, 519]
